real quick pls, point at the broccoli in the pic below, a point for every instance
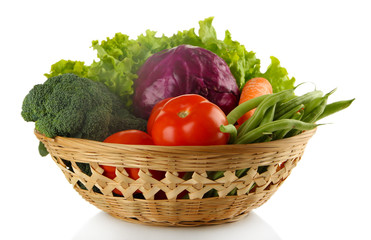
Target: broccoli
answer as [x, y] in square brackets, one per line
[71, 106]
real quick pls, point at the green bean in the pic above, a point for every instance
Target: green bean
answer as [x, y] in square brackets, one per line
[243, 126]
[274, 126]
[268, 117]
[234, 191]
[311, 106]
[316, 102]
[264, 138]
[317, 111]
[215, 174]
[241, 172]
[267, 137]
[335, 107]
[269, 101]
[312, 116]
[231, 129]
[243, 108]
[303, 99]
[292, 111]
[282, 133]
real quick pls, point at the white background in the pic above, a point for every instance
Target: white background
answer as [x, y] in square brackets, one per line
[326, 42]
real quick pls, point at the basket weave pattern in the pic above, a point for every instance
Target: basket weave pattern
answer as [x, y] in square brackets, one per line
[252, 189]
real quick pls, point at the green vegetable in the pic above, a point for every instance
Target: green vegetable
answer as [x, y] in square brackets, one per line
[310, 106]
[277, 76]
[69, 66]
[243, 108]
[282, 133]
[120, 58]
[280, 115]
[315, 113]
[274, 126]
[70, 106]
[268, 117]
[231, 129]
[256, 118]
[304, 99]
[335, 107]
[292, 111]
[42, 150]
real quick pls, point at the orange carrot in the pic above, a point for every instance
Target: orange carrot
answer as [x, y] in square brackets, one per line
[255, 87]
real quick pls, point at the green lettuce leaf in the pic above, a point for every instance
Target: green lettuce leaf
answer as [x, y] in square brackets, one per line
[278, 76]
[68, 66]
[120, 58]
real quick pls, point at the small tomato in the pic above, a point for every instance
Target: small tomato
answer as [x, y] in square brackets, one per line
[130, 137]
[189, 120]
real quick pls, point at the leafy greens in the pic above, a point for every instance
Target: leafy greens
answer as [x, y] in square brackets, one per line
[120, 58]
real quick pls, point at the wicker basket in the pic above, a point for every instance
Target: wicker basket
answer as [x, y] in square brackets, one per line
[252, 189]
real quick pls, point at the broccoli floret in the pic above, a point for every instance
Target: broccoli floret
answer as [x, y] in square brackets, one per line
[71, 106]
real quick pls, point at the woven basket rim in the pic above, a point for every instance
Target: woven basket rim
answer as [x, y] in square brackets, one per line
[217, 148]
[177, 158]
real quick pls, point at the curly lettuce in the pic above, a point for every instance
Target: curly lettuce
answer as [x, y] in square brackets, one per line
[68, 66]
[277, 76]
[119, 59]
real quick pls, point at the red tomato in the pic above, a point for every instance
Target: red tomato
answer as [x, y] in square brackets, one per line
[155, 111]
[130, 137]
[140, 138]
[189, 120]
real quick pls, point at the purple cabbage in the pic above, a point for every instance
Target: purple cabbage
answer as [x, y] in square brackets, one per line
[183, 70]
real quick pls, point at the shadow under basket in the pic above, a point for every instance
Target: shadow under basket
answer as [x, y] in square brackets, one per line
[200, 185]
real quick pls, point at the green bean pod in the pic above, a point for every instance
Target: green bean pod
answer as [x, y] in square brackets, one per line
[269, 115]
[256, 133]
[316, 102]
[267, 137]
[234, 191]
[335, 107]
[313, 116]
[231, 129]
[303, 99]
[215, 174]
[310, 106]
[259, 113]
[292, 112]
[282, 133]
[310, 118]
[243, 108]
[313, 105]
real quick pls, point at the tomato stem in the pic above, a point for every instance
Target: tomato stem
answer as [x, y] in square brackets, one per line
[183, 114]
